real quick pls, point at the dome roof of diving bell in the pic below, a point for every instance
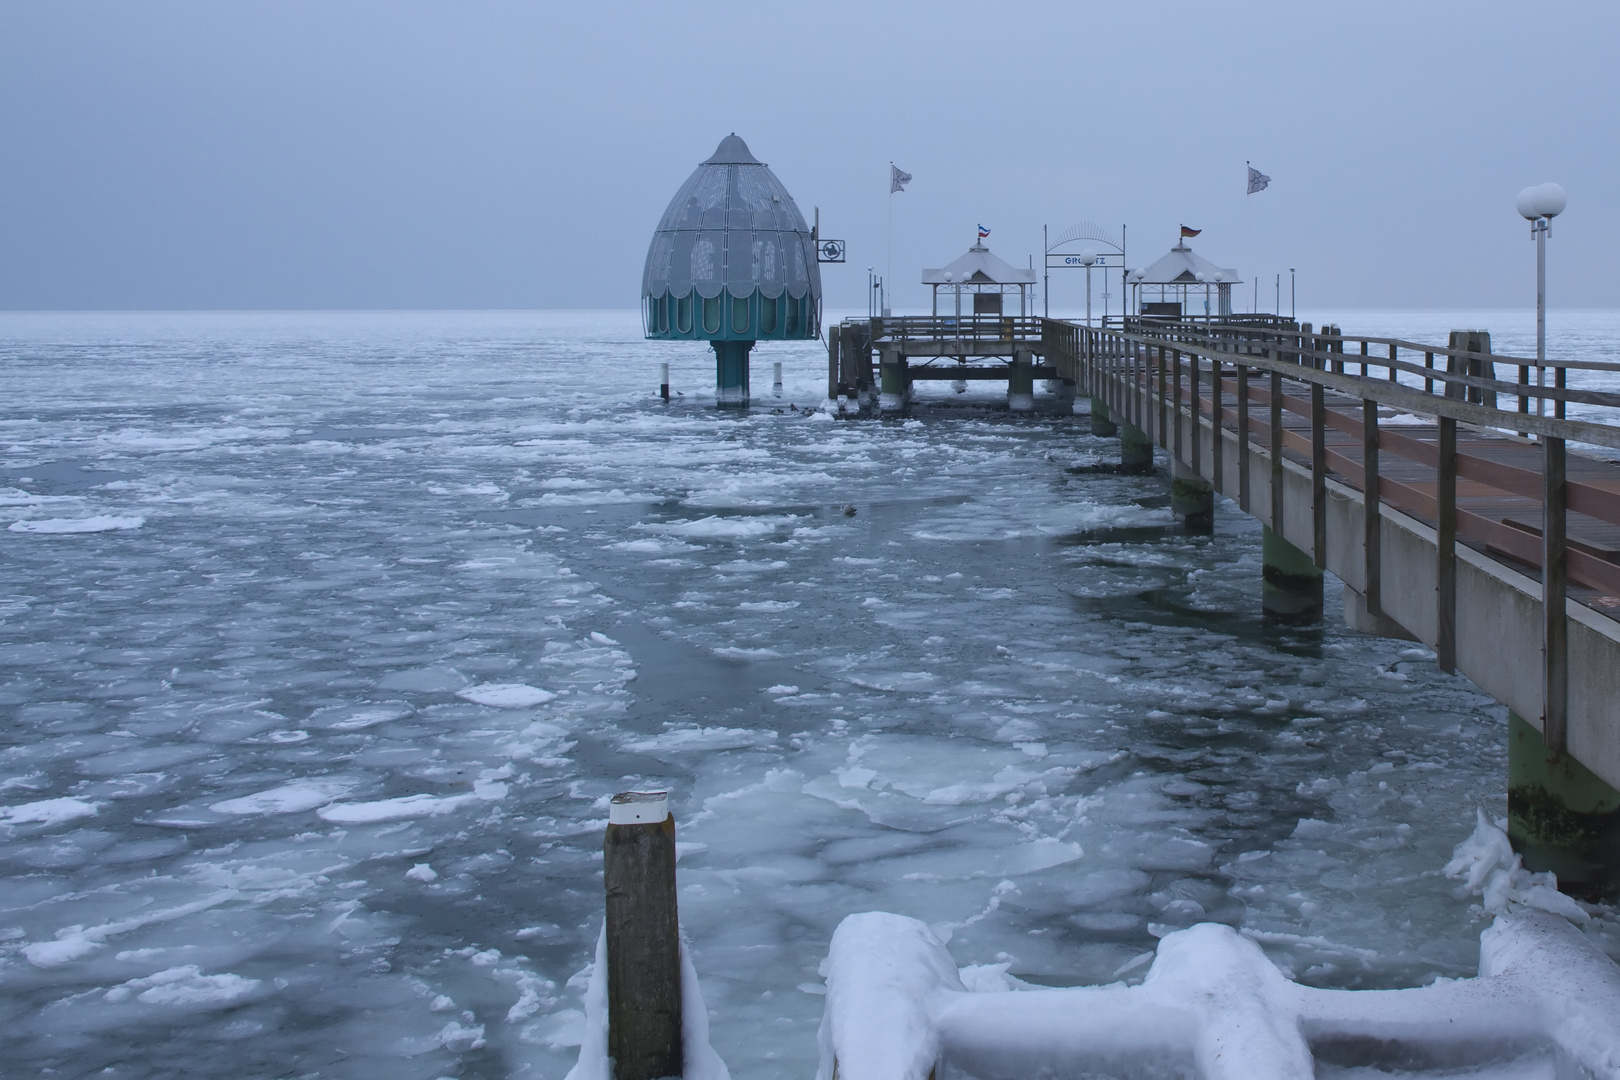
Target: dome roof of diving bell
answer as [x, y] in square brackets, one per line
[732, 227]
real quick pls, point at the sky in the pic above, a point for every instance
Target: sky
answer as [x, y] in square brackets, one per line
[180, 154]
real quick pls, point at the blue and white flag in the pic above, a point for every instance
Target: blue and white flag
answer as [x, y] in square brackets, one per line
[898, 178]
[1257, 180]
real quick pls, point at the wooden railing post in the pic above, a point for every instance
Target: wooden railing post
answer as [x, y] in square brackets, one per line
[1243, 436]
[1554, 581]
[1175, 412]
[1372, 509]
[1276, 454]
[1192, 381]
[1318, 476]
[1445, 633]
[643, 938]
[1217, 443]
[1164, 408]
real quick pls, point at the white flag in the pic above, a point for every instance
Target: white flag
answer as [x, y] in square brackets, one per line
[898, 178]
[1257, 180]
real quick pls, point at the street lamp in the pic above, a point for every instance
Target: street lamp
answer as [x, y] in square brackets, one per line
[1539, 205]
[1088, 259]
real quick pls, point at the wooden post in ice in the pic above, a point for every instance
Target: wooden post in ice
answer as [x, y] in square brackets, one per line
[776, 385]
[643, 938]
[663, 381]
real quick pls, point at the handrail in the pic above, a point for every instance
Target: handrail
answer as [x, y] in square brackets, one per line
[1410, 399]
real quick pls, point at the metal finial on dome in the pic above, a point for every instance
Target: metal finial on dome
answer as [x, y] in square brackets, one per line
[732, 151]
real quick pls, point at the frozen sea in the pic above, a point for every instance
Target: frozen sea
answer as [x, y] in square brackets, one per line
[325, 636]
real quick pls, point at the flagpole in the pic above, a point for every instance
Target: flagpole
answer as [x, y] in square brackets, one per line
[888, 266]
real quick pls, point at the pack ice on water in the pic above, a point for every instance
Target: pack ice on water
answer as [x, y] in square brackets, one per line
[325, 637]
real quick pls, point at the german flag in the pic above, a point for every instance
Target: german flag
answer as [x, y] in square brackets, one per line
[1186, 232]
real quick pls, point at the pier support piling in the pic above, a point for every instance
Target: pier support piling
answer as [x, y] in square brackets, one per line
[1561, 817]
[731, 373]
[1021, 382]
[776, 384]
[643, 938]
[663, 382]
[1192, 498]
[892, 379]
[1101, 423]
[1291, 589]
[1135, 450]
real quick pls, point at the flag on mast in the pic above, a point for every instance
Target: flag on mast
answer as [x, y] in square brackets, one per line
[1186, 232]
[983, 232]
[1257, 180]
[898, 178]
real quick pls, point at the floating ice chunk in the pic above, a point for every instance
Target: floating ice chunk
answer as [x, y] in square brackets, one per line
[287, 799]
[601, 638]
[458, 1039]
[768, 605]
[703, 738]
[422, 872]
[47, 812]
[400, 809]
[1496, 875]
[780, 688]
[185, 986]
[507, 695]
[714, 527]
[732, 652]
[100, 523]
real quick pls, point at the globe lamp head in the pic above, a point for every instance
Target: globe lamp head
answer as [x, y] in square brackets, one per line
[1549, 200]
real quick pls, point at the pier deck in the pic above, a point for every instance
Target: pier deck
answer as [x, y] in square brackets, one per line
[1477, 531]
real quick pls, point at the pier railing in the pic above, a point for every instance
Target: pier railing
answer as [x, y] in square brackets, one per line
[962, 327]
[1190, 384]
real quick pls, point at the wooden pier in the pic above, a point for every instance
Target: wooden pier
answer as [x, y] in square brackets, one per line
[1487, 540]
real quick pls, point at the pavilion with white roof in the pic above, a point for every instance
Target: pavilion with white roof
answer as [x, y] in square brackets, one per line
[986, 278]
[1165, 288]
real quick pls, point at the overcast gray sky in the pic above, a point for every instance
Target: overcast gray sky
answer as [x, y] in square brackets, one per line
[334, 154]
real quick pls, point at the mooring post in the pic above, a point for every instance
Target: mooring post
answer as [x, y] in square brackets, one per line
[643, 938]
[663, 382]
[776, 385]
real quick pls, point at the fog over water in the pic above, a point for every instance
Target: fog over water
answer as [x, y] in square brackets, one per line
[324, 638]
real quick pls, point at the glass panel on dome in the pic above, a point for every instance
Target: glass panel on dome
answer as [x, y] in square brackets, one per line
[711, 314]
[739, 314]
[795, 314]
[663, 313]
[767, 314]
[683, 314]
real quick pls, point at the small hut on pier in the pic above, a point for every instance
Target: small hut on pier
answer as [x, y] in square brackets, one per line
[986, 278]
[1182, 277]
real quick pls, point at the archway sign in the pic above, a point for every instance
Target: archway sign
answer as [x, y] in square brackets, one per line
[1068, 251]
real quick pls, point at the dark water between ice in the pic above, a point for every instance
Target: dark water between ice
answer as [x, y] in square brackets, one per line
[255, 820]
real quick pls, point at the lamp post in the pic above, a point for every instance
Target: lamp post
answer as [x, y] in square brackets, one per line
[1088, 259]
[1293, 310]
[1539, 205]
